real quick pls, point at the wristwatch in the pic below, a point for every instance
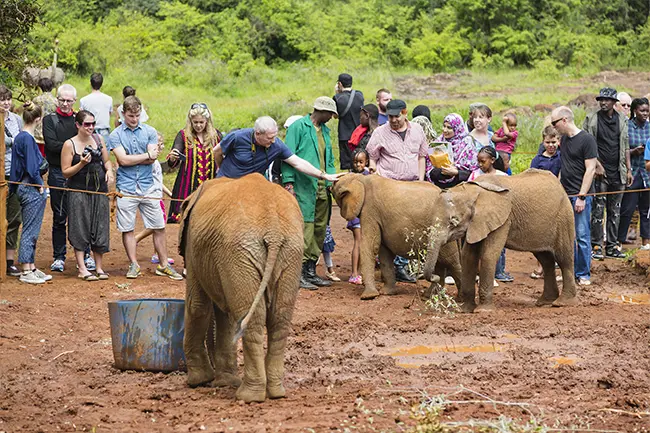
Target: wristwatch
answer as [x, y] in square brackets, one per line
[582, 197]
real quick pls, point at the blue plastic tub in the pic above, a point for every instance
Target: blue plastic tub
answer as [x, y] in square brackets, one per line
[147, 334]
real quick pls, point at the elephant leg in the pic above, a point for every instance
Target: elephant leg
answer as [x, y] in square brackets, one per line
[369, 249]
[565, 261]
[278, 326]
[449, 258]
[386, 258]
[550, 293]
[490, 252]
[467, 292]
[197, 320]
[224, 354]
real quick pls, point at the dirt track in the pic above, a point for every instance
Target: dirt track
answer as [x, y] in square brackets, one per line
[56, 359]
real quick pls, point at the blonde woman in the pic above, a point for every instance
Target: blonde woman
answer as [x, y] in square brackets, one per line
[192, 151]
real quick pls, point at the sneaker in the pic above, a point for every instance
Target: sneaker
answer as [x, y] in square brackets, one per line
[646, 247]
[355, 279]
[13, 271]
[558, 278]
[332, 276]
[614, 254]
[504, 277]
[42, 275]
[449, 281]
[168, 271]
[31, 278]
[90, 263]
[57, 266]
[496, 284]
[155, 260]
[597, 253]
[582, 281]
[134, 271]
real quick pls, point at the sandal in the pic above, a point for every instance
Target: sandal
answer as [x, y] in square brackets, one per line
[356, 280]
[89, 277]
[102, 276]
[537, 275]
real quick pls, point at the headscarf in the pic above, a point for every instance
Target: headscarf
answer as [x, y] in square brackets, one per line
[427, 127]
[463, 150]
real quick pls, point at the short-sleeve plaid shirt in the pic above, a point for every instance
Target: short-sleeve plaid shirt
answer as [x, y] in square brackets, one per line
[639, 136]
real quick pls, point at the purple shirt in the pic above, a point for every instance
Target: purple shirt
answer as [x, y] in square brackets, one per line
[397, 158]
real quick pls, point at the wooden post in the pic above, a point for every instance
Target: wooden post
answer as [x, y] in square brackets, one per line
[4, 190]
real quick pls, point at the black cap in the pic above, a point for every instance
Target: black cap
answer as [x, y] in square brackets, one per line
[345, 80]
[607, 93]
[372, 111]
[395, 107]
[421, 110]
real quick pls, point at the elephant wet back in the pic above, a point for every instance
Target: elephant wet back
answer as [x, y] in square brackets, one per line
[541, 211]
[231, 226]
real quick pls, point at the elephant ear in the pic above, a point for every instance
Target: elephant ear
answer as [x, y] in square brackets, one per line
[491, 210]
[186, 210]
[349, 193]
[489, 185]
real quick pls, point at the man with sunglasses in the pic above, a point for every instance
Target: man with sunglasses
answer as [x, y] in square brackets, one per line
[578, 156]
[59, 127]
[613, 172]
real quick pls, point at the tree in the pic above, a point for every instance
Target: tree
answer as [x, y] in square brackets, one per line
[17, 17]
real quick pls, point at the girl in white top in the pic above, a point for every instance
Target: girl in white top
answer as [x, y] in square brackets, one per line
[489, 162]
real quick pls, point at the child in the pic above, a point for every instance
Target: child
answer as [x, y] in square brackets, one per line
[506, 138]
[328, 249]
[548, 160]
[360, 165]
[490, 163]
[158, 180]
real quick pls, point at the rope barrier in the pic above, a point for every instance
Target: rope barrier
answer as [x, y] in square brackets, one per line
[118, 194]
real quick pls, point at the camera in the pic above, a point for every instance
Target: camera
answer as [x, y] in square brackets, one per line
[87, 151]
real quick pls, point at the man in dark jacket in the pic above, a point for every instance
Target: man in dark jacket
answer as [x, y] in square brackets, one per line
[348, 103]
[57, 128]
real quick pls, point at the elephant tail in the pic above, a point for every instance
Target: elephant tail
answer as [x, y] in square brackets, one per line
[271, 259]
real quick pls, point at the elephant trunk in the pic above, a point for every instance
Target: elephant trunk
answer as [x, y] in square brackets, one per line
[433, 249]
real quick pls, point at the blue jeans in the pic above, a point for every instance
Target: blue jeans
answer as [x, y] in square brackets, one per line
[501, 263]
[582, 250]
[400, 261]
[32, 204]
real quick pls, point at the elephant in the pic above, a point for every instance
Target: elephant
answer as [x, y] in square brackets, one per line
[390, 211]
[242, 243]
[525, 212]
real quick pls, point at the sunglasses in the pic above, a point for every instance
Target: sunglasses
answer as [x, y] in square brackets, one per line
[625, 105]
[88, 124]
[199, 105]
[556, 121]
[66, 101]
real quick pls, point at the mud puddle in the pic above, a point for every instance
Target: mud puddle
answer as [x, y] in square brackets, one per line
[421, 355]
[630, 298]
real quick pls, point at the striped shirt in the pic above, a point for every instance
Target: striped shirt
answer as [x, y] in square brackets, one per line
[397, 158]
[639, 136]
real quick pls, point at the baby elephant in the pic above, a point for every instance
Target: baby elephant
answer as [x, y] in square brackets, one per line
[242, 243]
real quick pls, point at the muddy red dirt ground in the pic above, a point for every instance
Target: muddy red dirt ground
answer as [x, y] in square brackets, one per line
[351, 365]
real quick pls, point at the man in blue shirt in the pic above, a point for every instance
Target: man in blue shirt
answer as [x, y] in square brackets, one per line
[136, 149]
[252, 150]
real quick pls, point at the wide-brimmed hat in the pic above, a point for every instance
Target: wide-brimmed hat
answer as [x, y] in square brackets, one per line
[325, 103]
[607, 93]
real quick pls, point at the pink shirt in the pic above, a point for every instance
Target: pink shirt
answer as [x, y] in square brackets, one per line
[396, 158]
[507, 146]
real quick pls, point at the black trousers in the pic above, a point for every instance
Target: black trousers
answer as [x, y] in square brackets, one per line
[345, 155]
[59, 213]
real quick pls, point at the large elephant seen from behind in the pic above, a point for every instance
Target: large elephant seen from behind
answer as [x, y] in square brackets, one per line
[394, 215]
[526, 212]
[242, 243]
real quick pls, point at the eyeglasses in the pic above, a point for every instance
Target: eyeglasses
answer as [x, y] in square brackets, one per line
[66, 101]
[88, 124]
[556, 121]
[199, 105]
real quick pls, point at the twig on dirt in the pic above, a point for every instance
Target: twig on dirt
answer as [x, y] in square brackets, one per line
[625, 412]
[61, 354]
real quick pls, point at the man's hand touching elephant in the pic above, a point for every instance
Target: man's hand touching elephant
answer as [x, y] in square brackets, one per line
[289, 187]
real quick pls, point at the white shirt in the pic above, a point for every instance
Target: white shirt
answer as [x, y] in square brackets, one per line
[101, 105]
[143, 114]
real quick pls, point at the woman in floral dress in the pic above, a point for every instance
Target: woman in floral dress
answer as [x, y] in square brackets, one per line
[192, 151]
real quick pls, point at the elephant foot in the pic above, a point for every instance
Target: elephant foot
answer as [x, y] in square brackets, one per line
[248, 394]
[566, 301]
[484, 308]
[198, 377]
[369, 294]
[226, 380]
[276, 391]
[389, 290]
[542, 301]
[466, 307]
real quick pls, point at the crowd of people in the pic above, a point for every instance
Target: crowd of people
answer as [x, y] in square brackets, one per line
[71, 150]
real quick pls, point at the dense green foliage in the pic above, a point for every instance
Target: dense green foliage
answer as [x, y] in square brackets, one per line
[16, 20]
[171, 37]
